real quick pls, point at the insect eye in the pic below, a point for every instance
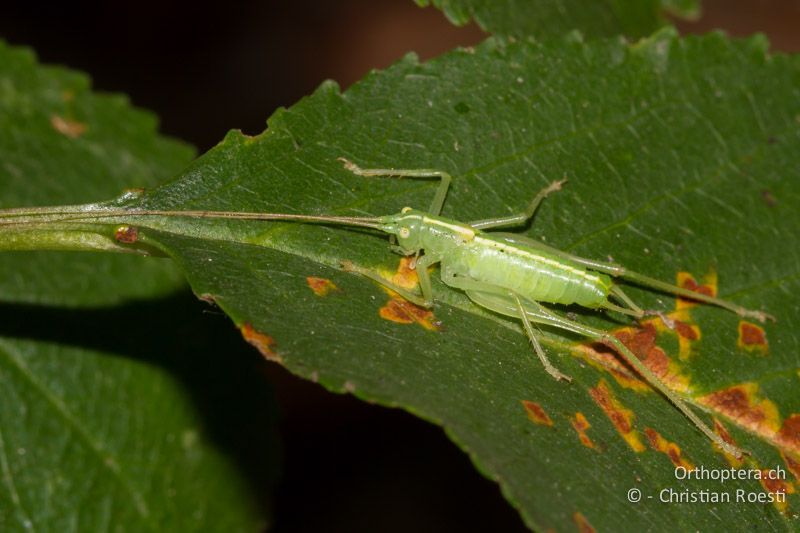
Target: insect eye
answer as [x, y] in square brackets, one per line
[404, 233]
[405, 210]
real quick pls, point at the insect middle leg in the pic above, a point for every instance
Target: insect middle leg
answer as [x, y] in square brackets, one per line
[441, 192]
[639, 279]
[470, 286]
[520, 218]
[537, 313]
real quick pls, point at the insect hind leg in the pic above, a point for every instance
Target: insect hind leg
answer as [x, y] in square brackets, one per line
[539, 314]
[418, 173]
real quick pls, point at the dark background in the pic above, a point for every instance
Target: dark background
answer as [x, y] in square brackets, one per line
[347, 465]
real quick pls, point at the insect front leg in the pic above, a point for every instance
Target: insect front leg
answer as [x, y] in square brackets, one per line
[441, 192]
[426, 300]
[520, 218]
[537, 313]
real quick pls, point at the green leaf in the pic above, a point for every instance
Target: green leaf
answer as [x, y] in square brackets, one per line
[554, 18]
[99, 427]
[681, 156]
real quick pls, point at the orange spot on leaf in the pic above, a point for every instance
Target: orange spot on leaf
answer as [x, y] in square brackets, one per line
[580, 424]
[620, 416]
[583, 525]
[263, 343]
[321, 286]
[126, 234]
[752, 338]
[70, 128]
[670, 449]
[400, 310]
[536, 413]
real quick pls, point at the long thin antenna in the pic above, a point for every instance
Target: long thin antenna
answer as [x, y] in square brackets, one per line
[46, 215]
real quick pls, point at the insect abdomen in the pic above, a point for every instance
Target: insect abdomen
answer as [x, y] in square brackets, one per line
[534, 274]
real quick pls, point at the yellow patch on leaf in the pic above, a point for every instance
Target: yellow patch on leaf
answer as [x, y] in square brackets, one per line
[670, 449]
[321, 286]
[263, 343]
[405, 276]
[581, 425]
[620, 416]
[536, 413]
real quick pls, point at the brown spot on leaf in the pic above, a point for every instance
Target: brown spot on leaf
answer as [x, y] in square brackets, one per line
[670, 449]
[126, 234]
[583, 525]
[687, 331]
[789, 433]
[71, 128]
[687, 334]
[742, 404]
[720, 430]
[400, 310]
[536, 413]
[642, 342]
[620, 416]
[580, 424]
[263, 343]
[604, 358]
[792, 463]
[687, 281]
[321, 286]
[769, 198]
[770, 480]
[752, 338]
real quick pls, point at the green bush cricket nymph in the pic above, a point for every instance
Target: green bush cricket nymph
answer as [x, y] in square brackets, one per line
[505, 273]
